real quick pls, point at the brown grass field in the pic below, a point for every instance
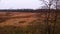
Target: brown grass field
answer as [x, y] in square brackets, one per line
[27, 23]
[17, 18]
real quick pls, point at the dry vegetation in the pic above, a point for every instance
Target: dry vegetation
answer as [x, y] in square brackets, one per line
[27, 23]
[16, 18]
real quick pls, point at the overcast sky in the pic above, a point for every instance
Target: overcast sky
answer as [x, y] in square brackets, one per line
[20, 4]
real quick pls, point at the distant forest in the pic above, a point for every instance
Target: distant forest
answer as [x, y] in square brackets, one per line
[30, 10]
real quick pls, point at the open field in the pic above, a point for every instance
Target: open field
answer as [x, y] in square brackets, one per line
[17, 18]
[27, 23]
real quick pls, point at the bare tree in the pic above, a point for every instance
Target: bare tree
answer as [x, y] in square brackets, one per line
[55, 21]
[48, 4]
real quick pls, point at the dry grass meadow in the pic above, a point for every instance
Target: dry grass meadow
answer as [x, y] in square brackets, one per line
[27, 23]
